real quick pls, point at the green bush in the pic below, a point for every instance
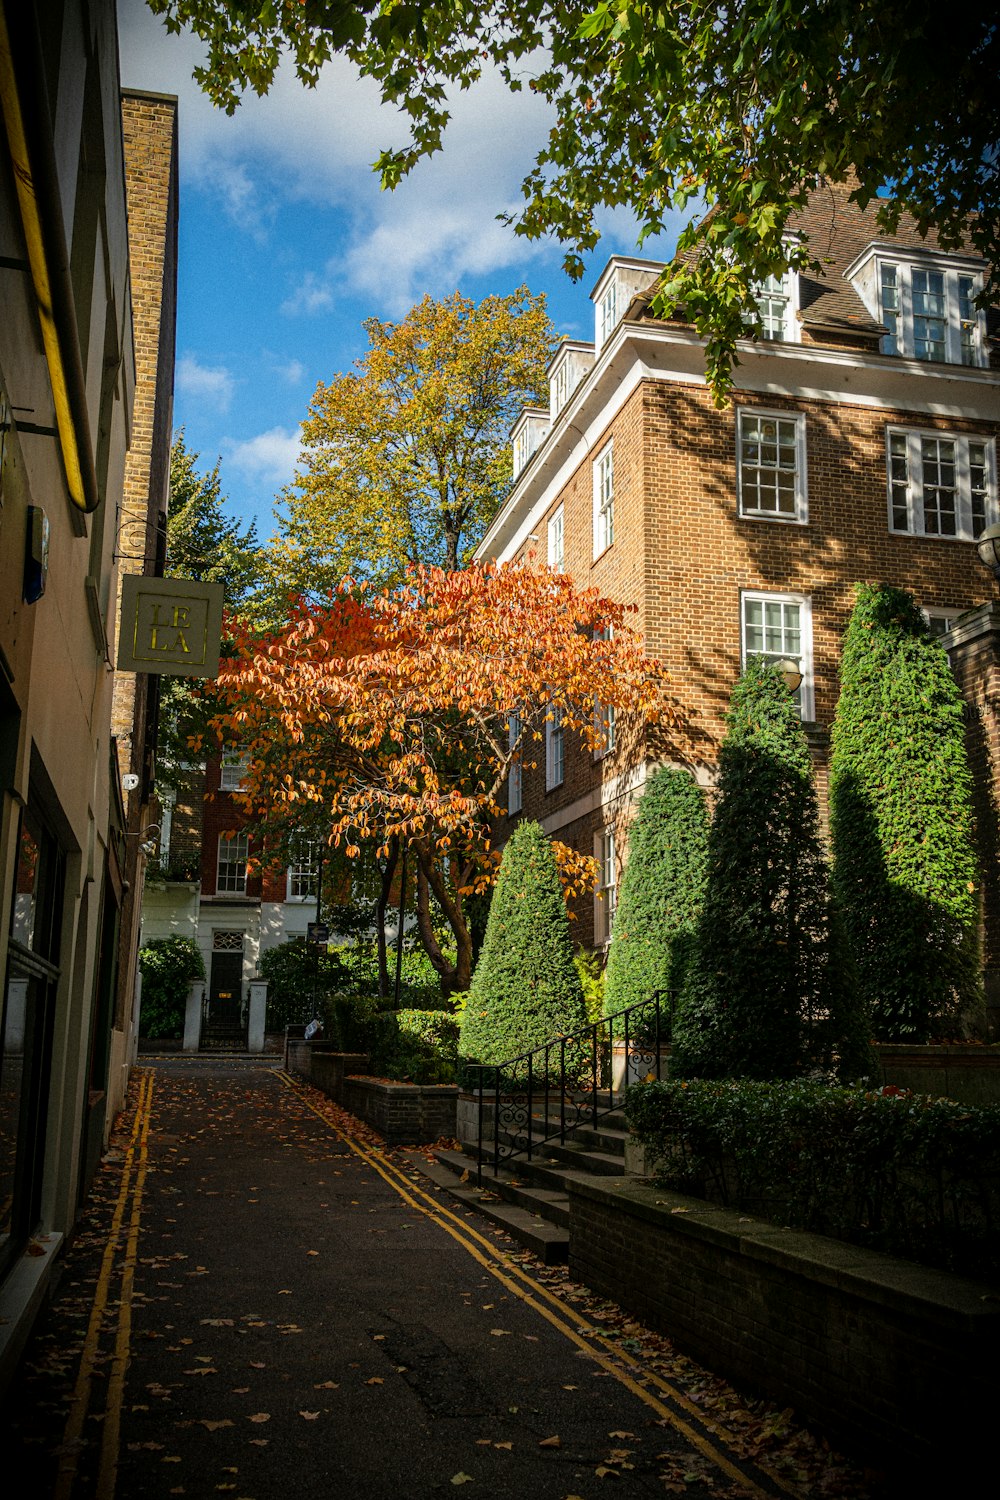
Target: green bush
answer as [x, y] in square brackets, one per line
[420, 1046]
[168, 966]
[526, 990]
[767, 991]
[905, 868]
[662, 890]
[301, 979]
[420, 984]
[907, 1173]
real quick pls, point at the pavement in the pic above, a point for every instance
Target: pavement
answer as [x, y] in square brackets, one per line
[260, 1304]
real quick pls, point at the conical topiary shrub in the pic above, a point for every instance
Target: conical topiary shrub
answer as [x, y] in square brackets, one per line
[905, 868]
[526, 989]
[662, 890]
[767, 994]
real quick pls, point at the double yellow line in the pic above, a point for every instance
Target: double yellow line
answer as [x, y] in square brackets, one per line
[132, 1185]
[677, 1409]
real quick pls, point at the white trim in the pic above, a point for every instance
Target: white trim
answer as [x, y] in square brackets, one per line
[662, 352]
[515, 798]
[233, 771]
[797, 419]
[786, 290]
[555, 749]
[804, 655]
[604, 499]
[606, 893]
[239, 844]
[556, 540]
[912, 438]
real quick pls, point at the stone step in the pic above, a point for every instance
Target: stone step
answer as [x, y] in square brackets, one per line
[543, 1237]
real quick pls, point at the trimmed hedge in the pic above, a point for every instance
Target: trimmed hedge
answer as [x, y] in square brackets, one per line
[168, 965]
[910, 1174]
[526, 990]
[905, 868]
[767, 993]
[662, 890]
[301, 976]
[418, 1046]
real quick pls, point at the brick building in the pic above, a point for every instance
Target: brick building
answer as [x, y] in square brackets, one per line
[860, 444]
[78, 367]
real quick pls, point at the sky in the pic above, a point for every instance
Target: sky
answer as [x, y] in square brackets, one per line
[287, 243]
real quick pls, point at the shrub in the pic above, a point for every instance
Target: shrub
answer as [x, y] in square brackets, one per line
[767, 992]
[420, 1046]
[301, 976]
[907, 1173]
[905, 869]
[662, 890]
[168, 966]
[526, 990]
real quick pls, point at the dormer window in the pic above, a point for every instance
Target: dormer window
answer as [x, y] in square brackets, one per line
[560, 387]
[776, 303]
[929, 312]
[570, 364]
[528, 435]
[607, 313]
[620, 280]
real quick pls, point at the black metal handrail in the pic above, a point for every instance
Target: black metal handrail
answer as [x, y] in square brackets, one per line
[583, 1088]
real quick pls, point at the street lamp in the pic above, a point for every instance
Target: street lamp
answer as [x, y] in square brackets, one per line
[791, 672]
[988, 547]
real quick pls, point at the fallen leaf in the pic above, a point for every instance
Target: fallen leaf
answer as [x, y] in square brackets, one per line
[261, 1416]
[499, 1333]
[259, 1442]
[602, 1472]
[552, 1442]
[621, 1434]
[309, 1416]
[327, 1385]
[214, 1426]
[508, 1447]
[375, 1380]
[462, 1479]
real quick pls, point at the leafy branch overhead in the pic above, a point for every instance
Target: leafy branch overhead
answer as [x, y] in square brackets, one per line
[668, 107]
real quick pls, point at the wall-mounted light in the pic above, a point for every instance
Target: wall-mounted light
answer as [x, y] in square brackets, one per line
[791, 672]
[988, 547]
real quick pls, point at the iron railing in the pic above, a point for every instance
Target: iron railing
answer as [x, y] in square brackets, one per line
[572, 1080]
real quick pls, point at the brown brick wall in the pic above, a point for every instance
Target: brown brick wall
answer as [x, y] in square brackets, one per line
[682, 555]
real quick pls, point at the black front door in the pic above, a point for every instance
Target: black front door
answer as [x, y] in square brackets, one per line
[225, 996]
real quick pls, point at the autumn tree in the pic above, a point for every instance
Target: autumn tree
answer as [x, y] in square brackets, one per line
[657, 107]
[406, 459]
[388, 716]
[905, 865]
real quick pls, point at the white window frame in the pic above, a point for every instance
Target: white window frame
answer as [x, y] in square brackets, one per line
[607, 313]
[560, 387]
[556, 541]
[905, 450]
[777, 304]
[745, 415]
[237, 852]
[604, 713]
[515, 801]
[555, 749]
[805, 693]
[233, 771]
[964, 323]
[307, 869]
[943, 618]
[604, 499]
[606, 894]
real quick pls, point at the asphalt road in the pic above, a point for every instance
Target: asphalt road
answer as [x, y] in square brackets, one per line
[259, 1307]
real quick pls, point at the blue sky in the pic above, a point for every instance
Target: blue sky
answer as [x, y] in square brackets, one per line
[287, 244]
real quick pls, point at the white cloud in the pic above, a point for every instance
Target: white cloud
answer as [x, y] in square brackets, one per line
[312, 295]
[270, 457]
[293, 372]
[212, 385]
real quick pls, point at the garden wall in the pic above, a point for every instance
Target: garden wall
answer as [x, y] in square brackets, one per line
[894, 1361]
[406, 1114]
[969, 1074]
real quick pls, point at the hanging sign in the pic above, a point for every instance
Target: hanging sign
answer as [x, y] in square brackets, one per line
[170, 625]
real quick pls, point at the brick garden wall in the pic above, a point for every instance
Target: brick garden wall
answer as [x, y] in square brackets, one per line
[896, 1362]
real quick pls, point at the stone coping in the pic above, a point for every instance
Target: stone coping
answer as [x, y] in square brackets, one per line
[870, 1275]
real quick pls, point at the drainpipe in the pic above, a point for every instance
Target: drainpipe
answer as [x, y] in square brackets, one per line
[28, 127]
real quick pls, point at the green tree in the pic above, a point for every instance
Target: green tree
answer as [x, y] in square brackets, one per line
[662, 890]
[905, 867]
[207, 544]
[740, 107]
[168, 965]
[406, 459]
[300, 976]
[526, 989]
[767, 994]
